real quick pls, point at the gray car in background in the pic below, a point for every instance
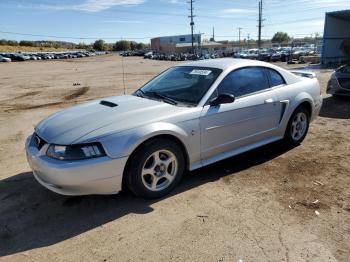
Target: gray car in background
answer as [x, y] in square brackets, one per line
[4, 59]
[187, 117]
[339, 84]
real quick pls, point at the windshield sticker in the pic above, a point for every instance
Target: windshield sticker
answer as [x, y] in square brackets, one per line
[200, 72]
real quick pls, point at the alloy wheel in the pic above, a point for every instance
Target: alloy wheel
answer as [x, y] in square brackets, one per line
[299, 126]
[159, 170]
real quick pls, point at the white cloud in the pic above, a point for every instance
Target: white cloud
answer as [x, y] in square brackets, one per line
[236, 12]
[89, 5]
[328, 3]
[310, 4]
[175, 1]
[100, 5]
[316, 23]
[123, 21]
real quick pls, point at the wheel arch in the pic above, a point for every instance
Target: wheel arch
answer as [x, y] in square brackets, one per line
[144, 143]
[303, 99]
[307, 105]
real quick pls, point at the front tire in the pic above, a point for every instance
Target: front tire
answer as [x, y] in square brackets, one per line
[298, 126]
[155, 169]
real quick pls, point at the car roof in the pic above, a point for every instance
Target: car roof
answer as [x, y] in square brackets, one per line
[224, 63]
[234, 63]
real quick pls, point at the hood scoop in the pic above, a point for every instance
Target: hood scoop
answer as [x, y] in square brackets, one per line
[107, 103]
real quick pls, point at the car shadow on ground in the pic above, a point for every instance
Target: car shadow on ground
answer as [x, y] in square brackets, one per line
[33, 217]
[336, 107]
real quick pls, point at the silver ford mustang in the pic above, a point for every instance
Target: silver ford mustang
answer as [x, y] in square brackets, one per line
[187, 117]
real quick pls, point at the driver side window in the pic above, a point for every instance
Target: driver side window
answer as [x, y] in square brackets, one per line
[244, 81]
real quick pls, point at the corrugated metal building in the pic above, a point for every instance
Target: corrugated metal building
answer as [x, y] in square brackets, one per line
[336, 37]
[167, 44]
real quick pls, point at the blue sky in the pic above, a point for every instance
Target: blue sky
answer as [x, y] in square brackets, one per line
[139, 20]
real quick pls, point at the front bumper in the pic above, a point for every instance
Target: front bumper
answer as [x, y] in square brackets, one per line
[101, 175]
[334, 88]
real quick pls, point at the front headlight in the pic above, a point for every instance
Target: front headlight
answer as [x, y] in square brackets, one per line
[75, 152]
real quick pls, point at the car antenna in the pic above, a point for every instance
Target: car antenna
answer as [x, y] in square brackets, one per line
[123, 75]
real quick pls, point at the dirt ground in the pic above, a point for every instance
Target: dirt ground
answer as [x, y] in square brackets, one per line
[271, 204]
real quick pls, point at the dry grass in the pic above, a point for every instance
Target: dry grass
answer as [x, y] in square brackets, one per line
[8, 48]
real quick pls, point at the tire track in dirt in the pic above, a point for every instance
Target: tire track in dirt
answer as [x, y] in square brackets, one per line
[77, 93]
[9, 108]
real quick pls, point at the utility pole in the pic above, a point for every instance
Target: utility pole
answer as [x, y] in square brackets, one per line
[199, 40]
[239, 36]
[259, 26]
[315, 46]
[192, 22]
[248, 38]
[260, 23]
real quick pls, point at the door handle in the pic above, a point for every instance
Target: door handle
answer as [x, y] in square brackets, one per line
[269, 101]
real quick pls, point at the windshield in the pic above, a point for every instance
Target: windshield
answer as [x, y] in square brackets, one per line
[183, 84]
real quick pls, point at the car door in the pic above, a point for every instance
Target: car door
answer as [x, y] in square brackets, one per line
[252, 117]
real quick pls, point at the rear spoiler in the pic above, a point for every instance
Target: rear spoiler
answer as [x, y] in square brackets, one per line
[304, 73]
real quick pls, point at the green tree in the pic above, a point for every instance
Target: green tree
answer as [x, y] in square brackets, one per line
[83, 46]
[140, 46]
[26, 43]
[280, 37]
[3, 42]
[133, 45]
[99, 45]
[122, 45]
[12, 43]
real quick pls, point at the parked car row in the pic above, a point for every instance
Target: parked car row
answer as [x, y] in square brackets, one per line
[186, 56]
[8, 57]
[273, 55]
[133, 53]
[269, 55]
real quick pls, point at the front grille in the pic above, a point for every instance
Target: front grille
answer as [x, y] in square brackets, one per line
[38, 141]
[344, 82]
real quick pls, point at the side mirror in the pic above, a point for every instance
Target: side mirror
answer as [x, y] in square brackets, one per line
[222, 99]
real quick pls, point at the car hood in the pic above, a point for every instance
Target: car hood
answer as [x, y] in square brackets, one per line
[68, 126]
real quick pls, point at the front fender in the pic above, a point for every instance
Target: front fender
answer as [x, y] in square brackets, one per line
[124, 143]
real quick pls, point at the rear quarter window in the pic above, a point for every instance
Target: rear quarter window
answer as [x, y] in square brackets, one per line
[275, 78]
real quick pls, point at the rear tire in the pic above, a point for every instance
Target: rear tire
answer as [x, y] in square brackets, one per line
[298, 126]
[155, 169]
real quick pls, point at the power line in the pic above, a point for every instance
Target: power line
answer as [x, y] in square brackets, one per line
[71, 37]
[116, 38]
[292, 21]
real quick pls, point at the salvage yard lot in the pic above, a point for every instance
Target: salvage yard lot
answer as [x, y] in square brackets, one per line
[259, 206]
